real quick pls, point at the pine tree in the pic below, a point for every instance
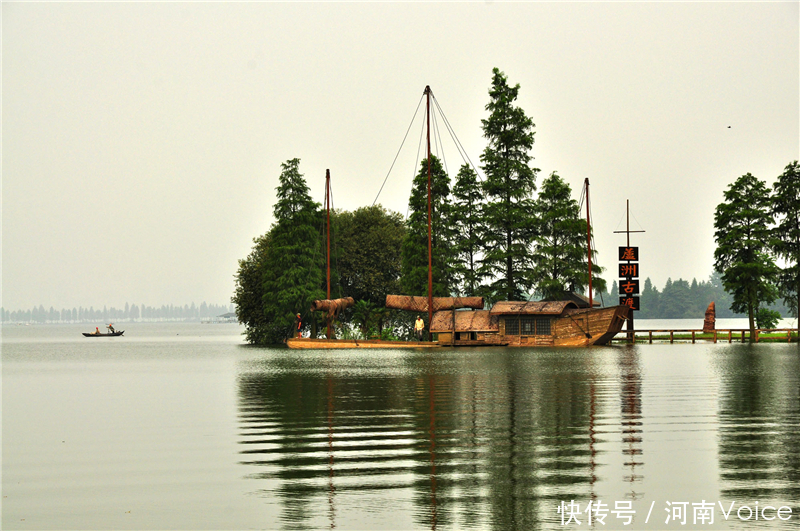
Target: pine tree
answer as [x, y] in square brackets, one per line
[743, 253]
[560, 262]
[786, 241]
[467, 222]
[282, 275]
[414, 254]
[509, 185]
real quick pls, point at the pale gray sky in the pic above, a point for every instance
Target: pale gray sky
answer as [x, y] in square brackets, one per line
[142, 142]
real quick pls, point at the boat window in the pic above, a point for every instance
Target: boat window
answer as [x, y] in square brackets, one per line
[527, 326]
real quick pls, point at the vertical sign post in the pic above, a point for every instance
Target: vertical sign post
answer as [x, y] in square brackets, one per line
[629, 272]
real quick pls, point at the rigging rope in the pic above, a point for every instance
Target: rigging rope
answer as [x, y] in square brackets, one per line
[398, 151]
[459, 146]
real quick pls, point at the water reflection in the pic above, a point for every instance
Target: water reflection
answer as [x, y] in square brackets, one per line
[631, 415]
[759, 413]
[496, 439]
[478, 439]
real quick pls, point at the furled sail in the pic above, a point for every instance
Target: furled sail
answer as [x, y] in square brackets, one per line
[420, 304]
[332, 306]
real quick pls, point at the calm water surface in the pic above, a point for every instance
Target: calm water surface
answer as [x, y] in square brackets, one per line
[181, 426]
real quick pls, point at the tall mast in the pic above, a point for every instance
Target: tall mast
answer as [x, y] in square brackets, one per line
[589, 242]
[631, 327]
[328, 214]
[430, 259]
[627, 232]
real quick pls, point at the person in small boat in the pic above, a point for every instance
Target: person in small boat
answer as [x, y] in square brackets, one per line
[97, 330]
[111, 327]
[419, 327]
[298, 324]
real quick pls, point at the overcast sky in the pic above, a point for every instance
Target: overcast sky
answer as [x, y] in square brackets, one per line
[142, 142]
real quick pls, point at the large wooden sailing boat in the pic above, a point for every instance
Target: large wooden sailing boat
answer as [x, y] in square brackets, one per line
[509, 323]
[575, 322]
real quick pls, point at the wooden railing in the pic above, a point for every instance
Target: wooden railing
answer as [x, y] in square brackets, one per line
[741, 334]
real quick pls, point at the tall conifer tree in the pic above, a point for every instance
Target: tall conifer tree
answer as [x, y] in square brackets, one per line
[414, 254]
[743, 252]
[510, 183]
[560, 255]
[467, 222]
[786, 207]
[287, 260]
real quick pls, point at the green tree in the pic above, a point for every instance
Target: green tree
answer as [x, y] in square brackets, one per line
[467, 221]
[766, 318]
[650, 301]
[786, 241]
[414, 269]
[560, 262]
[743, 255]
[368, 249]
[248, 294]
[509, 185]
[287, 263]
[676, 299]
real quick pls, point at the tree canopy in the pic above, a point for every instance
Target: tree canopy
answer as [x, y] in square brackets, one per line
[286, 261]
[560, 261]
[743, 254]
[509, 185]
[368, 244]
[414, 279]
[467, 222]
[786, 241]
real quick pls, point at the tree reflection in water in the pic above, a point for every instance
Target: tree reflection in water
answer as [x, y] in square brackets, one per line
[759, 414]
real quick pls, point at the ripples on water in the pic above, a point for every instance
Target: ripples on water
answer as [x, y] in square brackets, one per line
[180, 427]
[499, 437]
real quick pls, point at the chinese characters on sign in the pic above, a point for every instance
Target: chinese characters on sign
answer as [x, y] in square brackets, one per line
[629, 273]
[629, 253]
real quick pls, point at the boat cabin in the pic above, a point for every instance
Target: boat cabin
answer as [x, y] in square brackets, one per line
[524, 323]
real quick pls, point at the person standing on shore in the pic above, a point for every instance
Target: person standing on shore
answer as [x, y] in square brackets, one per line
[419, 327]
[298, 324]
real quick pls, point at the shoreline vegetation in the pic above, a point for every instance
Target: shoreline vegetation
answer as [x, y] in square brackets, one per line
[503, 236]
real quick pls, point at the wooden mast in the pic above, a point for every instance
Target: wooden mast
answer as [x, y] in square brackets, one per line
[589, 242]
[430, 256]
[628, 234]
[329, 330]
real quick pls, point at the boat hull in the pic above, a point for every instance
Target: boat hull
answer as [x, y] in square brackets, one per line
[325, 344]
[115, 334]
[573, 328]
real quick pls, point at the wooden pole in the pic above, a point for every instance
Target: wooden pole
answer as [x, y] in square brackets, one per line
[329, 330]
[589, 243]
[430, 247]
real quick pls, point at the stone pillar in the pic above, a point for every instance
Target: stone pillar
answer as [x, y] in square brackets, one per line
[709, 323]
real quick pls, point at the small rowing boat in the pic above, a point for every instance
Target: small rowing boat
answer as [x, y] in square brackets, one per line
[110, 334]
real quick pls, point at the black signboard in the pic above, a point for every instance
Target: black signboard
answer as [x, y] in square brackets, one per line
[629, 253]
[630, 302]
[628, 286]
[629, 270]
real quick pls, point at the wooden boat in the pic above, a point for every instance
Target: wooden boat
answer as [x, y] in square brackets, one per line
[323, 343]
[574, 323]
[530, 324]
[109, 334]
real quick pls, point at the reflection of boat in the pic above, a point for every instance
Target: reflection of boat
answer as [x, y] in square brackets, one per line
[322, 343]
[110, 334]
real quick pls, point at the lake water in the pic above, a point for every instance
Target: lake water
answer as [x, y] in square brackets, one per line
[181, 426]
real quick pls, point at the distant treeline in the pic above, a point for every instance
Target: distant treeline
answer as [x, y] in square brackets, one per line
[680, 299]
[131, 312]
